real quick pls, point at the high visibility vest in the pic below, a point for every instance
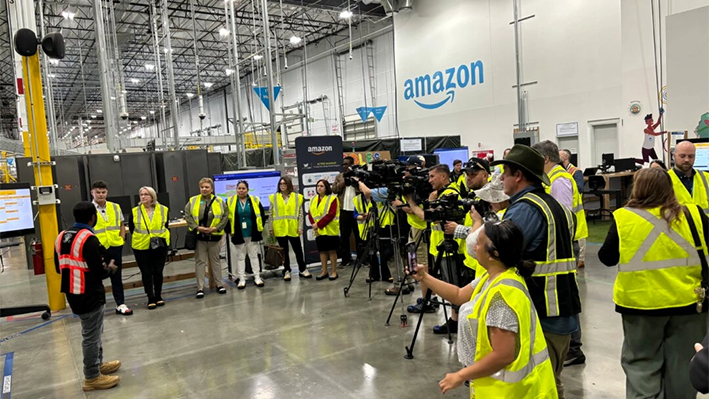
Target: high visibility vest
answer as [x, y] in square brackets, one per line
[581, 225]
[555, 271]
[437, 233]
[659, 267]
[318, 210]
[141, 237]
[362, 207]
[700, 190]
[74, 263]
[285, 215]
[108, 231]
[530, 375]
[415, 221]
[255, 205]
[462, 183]
[217, 211]
[470, 261]
[386, 215]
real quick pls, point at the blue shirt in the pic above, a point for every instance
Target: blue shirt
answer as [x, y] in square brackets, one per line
[244, 217]
[687, 181]
[528, 218]
[380, 194]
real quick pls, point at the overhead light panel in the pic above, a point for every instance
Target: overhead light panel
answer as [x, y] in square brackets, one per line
[189, 95]
[258, 57]
[135, 80]
[295, 40]
[145, 117]
[208, 85]
[152, 112]
[68, 15]
[150, 67]
[99, 111]
[223, 32]
[52, 75]
[347, 14]
[54, 61]
[229, 71]
[93, 116]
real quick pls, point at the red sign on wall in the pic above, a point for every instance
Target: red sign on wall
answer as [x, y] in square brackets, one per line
[20, 87]
[174, 178]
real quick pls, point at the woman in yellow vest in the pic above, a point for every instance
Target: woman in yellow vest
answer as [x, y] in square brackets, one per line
[287, 216]
[500, 338]
[208, 214]
[149, 220]
[655, 291]
[246, 223]
[324, 216]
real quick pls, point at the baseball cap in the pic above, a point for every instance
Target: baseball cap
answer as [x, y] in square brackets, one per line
[417, 160]
[476, 164]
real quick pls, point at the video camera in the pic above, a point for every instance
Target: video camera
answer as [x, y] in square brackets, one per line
[450, 208]
[391, 174]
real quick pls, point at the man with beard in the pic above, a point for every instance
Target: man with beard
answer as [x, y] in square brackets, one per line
[690, 185]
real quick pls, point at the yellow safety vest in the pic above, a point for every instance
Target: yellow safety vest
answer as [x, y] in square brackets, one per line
[108, 231]
[700, 190]
[437, 233]
[530, 375]
[217, 215]
[143, 223]
[255, 205]
[361, 207]
[659, 267]
[462, 183]
[552, 266]
[318, 210]
[285, 215]
[415, 221]
[581, 225]
[470, 261]
[386, 215]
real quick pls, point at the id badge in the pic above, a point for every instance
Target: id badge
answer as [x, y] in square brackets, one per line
[243, 225]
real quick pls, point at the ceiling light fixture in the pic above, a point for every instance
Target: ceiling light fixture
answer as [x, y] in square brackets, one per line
[295, 40]
[145, 117]
[100, 111]
[52, 75]
[258, 57]
[189, 95]
[208, 85]
[150, 67]
[93, 116]
[135, 80]
[346, 14]
[54, 61]
[68, 15]
[229, 71]
[152, 112]
[223, 32]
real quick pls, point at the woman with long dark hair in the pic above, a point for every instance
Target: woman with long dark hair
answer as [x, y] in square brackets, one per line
[500, 339]
[246, 221]
[657, 287]
[324, 216]
[287, 216]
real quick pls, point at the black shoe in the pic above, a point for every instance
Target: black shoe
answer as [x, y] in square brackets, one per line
[578, 358]
[200, 294]
[221, 290]
[418, 308]
[451, 325]
[322, 276]
[160, 301]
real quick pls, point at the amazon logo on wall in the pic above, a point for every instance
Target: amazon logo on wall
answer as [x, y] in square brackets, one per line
[432, 91]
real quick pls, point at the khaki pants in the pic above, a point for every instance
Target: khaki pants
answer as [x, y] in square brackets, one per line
[558, 347]
[422, 250]
[208, 252]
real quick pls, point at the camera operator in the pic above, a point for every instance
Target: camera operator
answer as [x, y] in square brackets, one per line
[378, 267]
[439, 178]
[548, 229]
[346, 194]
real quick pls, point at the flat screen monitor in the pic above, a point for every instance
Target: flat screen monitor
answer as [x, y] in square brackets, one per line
[608, 160]
[701, 161]
[623, 164]
[16, 216]
[261, 185]
[448, 155]
[124, 202]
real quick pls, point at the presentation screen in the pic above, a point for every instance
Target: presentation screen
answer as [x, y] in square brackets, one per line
[701, 162]
[448, 155]
[16, 218]
[261, 185]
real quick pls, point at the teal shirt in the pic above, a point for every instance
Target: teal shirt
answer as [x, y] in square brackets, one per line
[244, 217]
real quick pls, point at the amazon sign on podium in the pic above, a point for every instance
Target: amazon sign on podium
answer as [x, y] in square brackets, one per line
[319, 157]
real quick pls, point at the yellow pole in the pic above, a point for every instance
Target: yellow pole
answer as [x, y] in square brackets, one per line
[41, 159]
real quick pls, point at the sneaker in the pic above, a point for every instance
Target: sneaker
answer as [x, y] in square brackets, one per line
[111, 367]
[581, 264]
[101, 382]
[258, 282]
[200, 294]
[306, 274]
[418, 308]
[451, 325]
[578, 358]
[286, 276]
[242, 284]
[393, 291]
[124, 310]
[221, 290]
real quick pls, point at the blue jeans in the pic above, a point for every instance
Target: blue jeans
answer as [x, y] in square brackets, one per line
[91, 330]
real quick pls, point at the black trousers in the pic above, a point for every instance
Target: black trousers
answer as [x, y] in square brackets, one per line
[379, 267]
[151, 263]
[116, 254]
[348, 224]
[297, 248]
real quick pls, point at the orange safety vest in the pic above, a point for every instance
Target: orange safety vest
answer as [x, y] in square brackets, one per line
[74, 262]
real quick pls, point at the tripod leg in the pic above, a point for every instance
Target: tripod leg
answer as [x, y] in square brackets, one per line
[393, 306]
[426, 302]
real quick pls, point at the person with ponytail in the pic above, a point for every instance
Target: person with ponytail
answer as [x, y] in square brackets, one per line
[500, 338]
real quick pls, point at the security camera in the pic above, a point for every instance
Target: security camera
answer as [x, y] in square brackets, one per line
[116, 158]
[351, 57]
[202, 116]
[124, 115]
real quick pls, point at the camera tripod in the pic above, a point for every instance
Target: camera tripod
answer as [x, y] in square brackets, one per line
[402, 284]
[370, 240]
[449, 248]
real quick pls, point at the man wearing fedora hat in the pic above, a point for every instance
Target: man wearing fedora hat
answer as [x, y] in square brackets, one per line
[548, 229]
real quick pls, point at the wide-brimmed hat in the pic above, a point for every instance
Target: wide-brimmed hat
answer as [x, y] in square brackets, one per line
[493, 192]
[527, 158]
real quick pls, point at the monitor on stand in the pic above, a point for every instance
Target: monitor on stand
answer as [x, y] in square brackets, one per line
[608, 160]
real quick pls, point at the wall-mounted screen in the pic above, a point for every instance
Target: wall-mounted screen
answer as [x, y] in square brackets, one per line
[261, 185]
[448, 155]
[16, 218]
[701, 161]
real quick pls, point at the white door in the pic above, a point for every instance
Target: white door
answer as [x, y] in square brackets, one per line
[571, 144]
[605, 141]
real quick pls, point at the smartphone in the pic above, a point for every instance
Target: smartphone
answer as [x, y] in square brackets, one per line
[411, 256]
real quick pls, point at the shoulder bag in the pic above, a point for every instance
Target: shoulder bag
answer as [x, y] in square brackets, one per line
[155, 242]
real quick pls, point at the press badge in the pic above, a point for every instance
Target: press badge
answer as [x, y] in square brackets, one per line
[243, 225]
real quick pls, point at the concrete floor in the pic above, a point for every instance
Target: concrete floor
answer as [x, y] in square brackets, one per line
[298, 339]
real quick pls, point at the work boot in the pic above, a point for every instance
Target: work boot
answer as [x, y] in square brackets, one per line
[109, 367]
[101, 382]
